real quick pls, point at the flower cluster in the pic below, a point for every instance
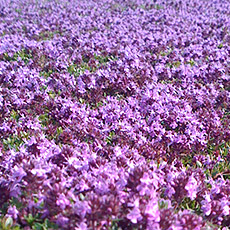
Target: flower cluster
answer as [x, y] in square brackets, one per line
[114, 114]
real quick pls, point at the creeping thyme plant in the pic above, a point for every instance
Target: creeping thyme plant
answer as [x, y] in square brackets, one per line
[114, 114]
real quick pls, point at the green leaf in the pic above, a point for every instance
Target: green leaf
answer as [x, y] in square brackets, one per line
[220, 46]
[52, 94]
[38, 226]
[109, 139]
[199, 164]
[59, 130]
[162, 204]
[44, 119]
[30, 219]
[9, 222]
[15, 202]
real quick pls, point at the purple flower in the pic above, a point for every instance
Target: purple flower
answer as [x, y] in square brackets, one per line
[82, 226]
[13, 212]
[81, 208]
[18, 173]
[152, 210]
[192, 187]
[206, 205]
[135, 215]
[62, 220]
[62, 201]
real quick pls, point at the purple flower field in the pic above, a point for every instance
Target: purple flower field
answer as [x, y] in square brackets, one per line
[114, 114]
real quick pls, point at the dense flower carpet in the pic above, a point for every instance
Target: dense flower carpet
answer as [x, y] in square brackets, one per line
[114, 114]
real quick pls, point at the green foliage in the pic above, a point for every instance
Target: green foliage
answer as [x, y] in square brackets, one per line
[78, 70]
[191, 205]
[44, 119]
[119, 7]
[58, 132]
[191, 62]
[14, 115]
[36, 223]
[220, 46]
[15, 141]
[104, 59]
[149, 6]
[46, 225]
[114, 225]
[48, 35]
[46, 74]
[30, 219]
[162, 204]
[226, 115]
[109, 139]
[7, 223]
[82, 100]
[158, 7]
[52, 94]
[224, 149]
[91, 105]
[175, 64]
[43, 88]
[167, 52]
[23, 54]
[221, 168]
[19, 11]
[187, 160]
[15, 202]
